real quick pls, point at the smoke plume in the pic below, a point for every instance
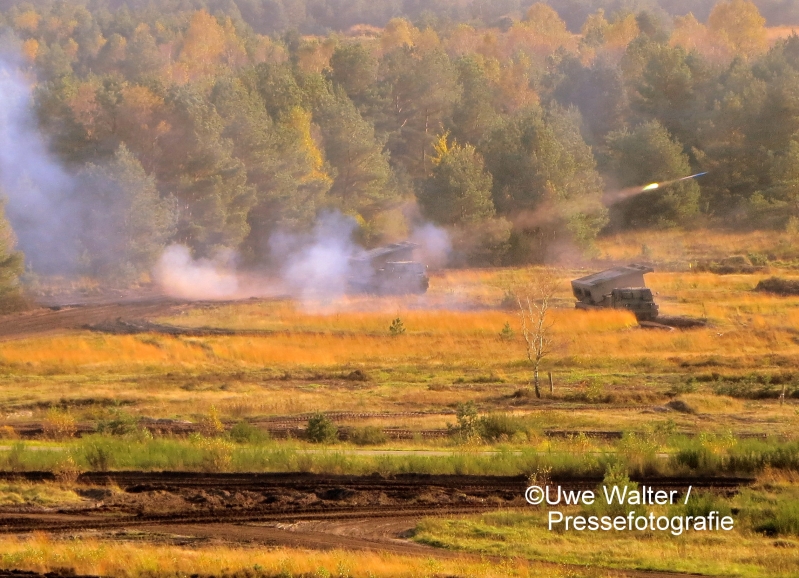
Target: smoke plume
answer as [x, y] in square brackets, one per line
[38, 190]
[182, 276]
[317, 266]
[434, 245]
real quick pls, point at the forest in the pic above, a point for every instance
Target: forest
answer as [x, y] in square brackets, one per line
[130, 126]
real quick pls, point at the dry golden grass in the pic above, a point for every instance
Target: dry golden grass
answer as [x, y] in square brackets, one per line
[40, 553]
[37, 494]
[445, 356]
[728, 301]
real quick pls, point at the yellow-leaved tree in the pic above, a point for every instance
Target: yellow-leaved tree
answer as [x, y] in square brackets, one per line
[739, 22]
[10, 268]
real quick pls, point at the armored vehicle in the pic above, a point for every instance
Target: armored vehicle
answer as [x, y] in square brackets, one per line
[619, 288]
[388, 270]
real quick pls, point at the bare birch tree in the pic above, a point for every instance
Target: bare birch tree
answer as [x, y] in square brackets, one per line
[534, 306]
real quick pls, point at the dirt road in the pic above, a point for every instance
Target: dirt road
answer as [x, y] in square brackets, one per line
[46, 320]
[297, 510]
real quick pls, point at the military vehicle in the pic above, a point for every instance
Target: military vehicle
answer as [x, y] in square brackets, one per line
[388, 270]
[618, 288]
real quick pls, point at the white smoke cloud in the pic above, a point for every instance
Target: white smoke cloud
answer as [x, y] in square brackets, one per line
[317, 266]
[180, 275]
[39, 191]
[434, 245]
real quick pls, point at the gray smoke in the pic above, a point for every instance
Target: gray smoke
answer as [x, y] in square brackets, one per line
[434, 245]
[198, 279]
[38, 190]
[317, 266]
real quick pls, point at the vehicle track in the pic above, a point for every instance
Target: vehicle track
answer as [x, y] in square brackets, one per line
[139, 481]
[60, 318]
[325, 523]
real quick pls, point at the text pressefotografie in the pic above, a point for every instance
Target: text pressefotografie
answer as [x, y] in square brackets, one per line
[622, 495]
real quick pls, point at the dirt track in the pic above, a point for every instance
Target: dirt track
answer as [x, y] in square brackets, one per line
[298, 510]
[170, 498]
[60, 318]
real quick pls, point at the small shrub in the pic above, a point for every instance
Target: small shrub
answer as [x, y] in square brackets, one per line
[702, 503]
[217, 454]
[396, 328]
[615, 475]
[66, 470]
[246, 433]
[756, 386]
[499, 426]
[665, 430]
[8, 433]
[783, 520]
[778, 286]
[680, 406]
[59, 425]
[368, 436]
[321, 429]
[541, 476]
[15, 459]
[758, 259]
[467, 423]
[210, 425]
[507, 332]
[98, 455]
[695, 457]
[357, 375]
[121, 424]
[595, 392]
[509, 301]
[689, 386]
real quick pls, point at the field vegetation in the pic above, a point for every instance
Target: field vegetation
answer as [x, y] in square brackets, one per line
[762, 543]
[94, 556]
[290, 361]
[701, 402]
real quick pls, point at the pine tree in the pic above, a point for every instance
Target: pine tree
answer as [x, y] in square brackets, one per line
[459, 189]
[363, 183]
[649, 154]
[127, 224]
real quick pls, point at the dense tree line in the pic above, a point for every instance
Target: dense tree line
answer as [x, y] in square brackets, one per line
[188, 122]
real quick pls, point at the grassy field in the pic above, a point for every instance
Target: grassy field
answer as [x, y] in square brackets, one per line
[300, 361]
[100, 557]
[289, 359]
[772, 503]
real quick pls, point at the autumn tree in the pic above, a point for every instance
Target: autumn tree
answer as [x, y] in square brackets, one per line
[476, 111]
[671, 89]
[10, 268]
[203, 45]
[198, 166]
[785, 178]
[739, 22]
[353, 68]
[283, 175]
[545, 177]
[597, 90]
